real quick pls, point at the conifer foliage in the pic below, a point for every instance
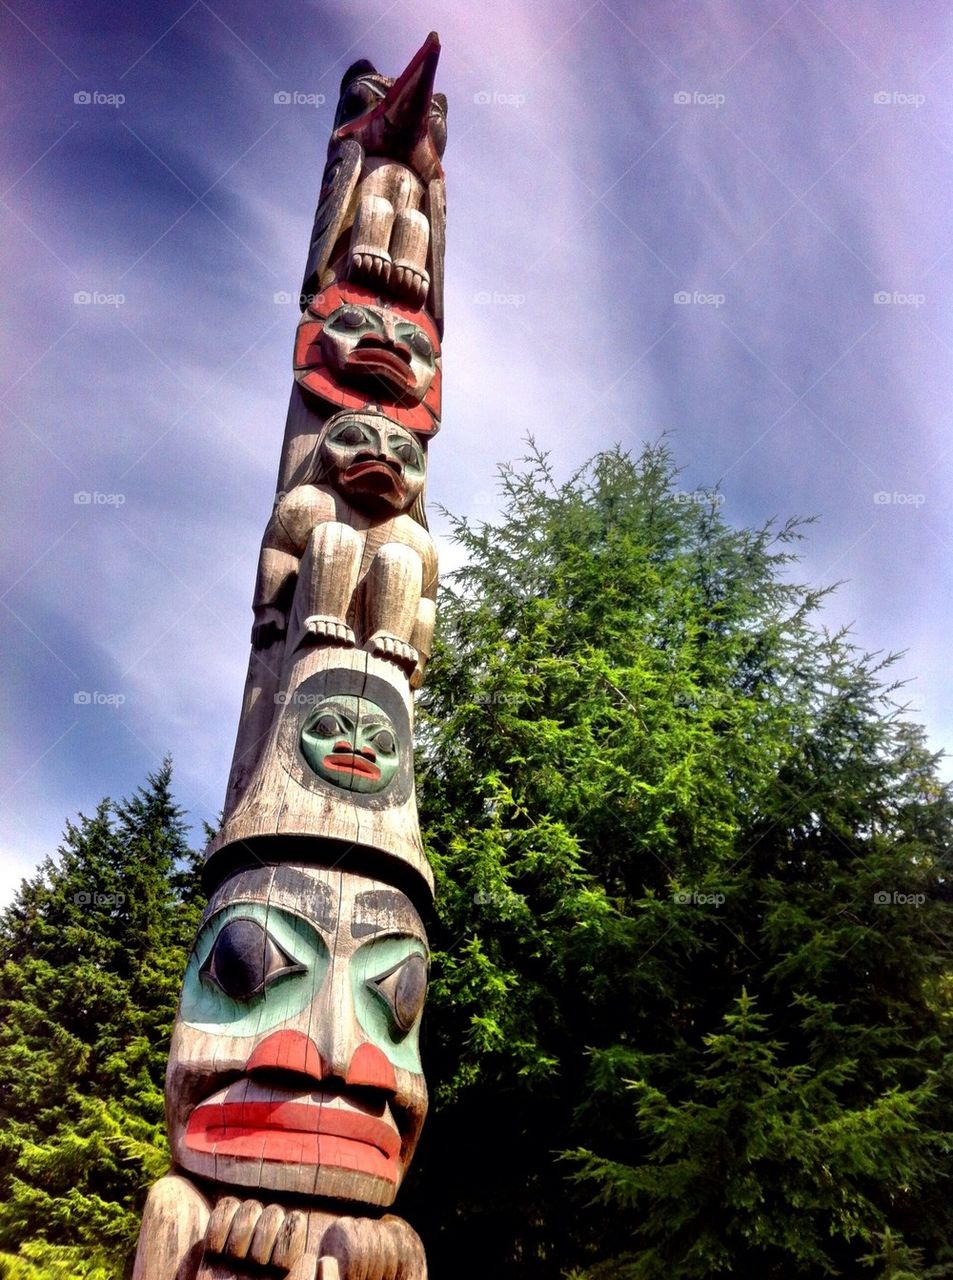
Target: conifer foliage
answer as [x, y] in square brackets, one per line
[691, 1007]
[92, 952]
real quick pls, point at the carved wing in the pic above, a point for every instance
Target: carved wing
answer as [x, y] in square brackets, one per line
[337, 188]
[437, 217]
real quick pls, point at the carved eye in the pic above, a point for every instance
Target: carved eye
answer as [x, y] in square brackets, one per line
[384, 742]
[404, 988]
[422, 345]
[327, 726]
[352, 318]
[404, 450]
[351, 434]
[245, 959]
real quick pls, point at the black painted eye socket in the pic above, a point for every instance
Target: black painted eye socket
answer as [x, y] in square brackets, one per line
[384, 742]
[327, 726]
[422, 345]
[351, 434]
[245, 959]
[352, 318]
[404, 988]
[404, 450]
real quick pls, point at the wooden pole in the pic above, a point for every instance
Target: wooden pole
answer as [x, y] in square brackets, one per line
[294, 1093]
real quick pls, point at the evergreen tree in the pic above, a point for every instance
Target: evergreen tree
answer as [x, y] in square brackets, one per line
[92, 952]
[691, 1004]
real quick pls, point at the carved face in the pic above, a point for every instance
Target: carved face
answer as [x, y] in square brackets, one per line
[354, 349]
[377, 348]
[295, 1062]
[374, 463]
[351, 743]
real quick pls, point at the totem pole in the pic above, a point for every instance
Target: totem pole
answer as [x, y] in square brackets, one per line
[294, 1093]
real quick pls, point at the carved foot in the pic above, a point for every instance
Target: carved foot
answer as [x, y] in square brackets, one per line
[372, 266]
[395, 650]
[321, 628]
[413, 284]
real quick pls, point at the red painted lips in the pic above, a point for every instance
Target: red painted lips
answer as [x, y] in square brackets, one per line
[345, 763]
[378, 362]
[295, 1129]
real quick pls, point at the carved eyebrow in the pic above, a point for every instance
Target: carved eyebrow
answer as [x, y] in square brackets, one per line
[384, 911]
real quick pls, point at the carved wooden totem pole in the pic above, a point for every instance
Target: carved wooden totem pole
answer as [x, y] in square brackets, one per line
[294, 1093]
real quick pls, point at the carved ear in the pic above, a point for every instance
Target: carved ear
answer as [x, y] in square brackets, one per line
[441, 100]
[360, 68]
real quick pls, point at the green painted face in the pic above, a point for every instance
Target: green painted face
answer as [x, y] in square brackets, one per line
[351, 743]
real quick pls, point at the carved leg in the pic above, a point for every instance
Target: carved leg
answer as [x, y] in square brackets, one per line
[370, 236]
[171, 1239]
[408, 248]
[327, 581]
[391, 596]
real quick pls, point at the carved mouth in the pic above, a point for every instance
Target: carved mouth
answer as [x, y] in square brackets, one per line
[251, 1122]
[344, 763]
[375, 472]
[379, 363]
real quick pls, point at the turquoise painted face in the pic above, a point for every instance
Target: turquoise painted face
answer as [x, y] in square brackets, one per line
[351, 743]
[295, 1059]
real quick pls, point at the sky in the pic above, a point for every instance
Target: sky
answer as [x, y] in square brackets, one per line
[722, 222]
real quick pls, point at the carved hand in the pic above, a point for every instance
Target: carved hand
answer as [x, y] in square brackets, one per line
[283, 1240]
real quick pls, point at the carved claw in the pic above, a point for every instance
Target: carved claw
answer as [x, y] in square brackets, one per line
[409, 281]
[369, 1249]
[394, 649]
[269, 1236]
[374, 265]
[321, 628]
